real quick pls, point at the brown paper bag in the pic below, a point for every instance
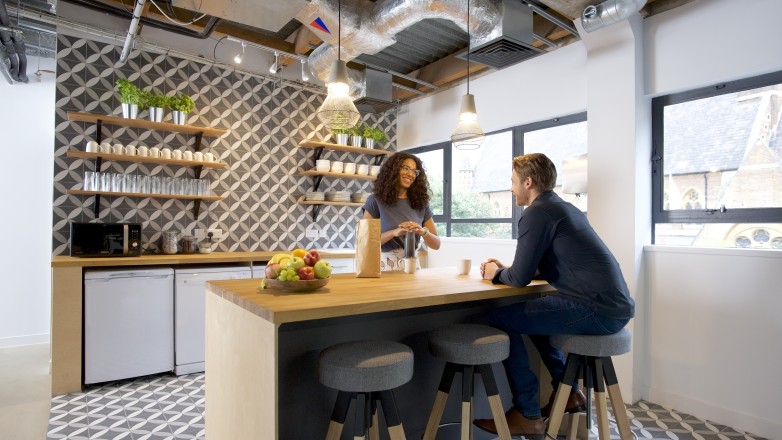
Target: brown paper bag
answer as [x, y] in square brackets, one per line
[368, 248]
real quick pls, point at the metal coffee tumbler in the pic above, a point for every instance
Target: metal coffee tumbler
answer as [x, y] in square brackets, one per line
[410, 245]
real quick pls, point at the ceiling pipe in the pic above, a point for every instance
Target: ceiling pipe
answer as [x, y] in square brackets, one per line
[609, 12]
[132, 30]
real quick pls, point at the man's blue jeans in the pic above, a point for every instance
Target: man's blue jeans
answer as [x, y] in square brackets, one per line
[538, 319]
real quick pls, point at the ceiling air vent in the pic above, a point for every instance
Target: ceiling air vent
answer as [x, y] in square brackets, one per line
[375, 96]
[511, 40]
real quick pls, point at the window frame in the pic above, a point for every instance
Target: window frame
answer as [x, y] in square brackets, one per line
[517, 149]
[710, 215]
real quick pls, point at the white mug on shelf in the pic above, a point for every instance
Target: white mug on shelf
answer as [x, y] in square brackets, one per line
[198, 156]
[177, 154]
[130, 150]
[154, 152]
[165, 153]
[374, 170]
[350, 168]
[187, 155]
[362, 169]
[337, 166]
[118, 149]
[143, 151]
[322, 164]
[105, 148]
[209, 157]
[92, 147]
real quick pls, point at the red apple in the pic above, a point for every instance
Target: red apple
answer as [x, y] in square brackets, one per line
[311, 257]
[306, 273]
[272, 270]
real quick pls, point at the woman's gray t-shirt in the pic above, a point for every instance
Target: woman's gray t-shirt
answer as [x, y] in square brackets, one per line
[392, 215]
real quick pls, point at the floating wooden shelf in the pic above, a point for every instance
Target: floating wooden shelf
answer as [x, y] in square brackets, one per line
[78, 192]
[337, 175]
[347, 148]
[160, 160]
[302, 201]
[142, 123]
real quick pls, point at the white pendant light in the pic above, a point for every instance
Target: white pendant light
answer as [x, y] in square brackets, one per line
[274, 67]
[468, 134]
[240, 56]
[305, 76]
[338, 110]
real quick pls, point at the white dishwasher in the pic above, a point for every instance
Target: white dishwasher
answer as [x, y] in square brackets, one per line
[190, 313]
[128, 323]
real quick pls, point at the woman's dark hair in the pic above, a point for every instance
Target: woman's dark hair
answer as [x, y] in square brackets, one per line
[385, 187]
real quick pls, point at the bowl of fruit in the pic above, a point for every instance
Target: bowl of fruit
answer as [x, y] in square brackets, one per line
[299, 271]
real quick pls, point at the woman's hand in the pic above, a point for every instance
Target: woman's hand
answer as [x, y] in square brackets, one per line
[489, 268]
[412, 227]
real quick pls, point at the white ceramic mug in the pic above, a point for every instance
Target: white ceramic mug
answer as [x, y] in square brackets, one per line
[177, 154]
[92, 147]
[362, 169]
[209, 157]
[322, 165]
[465, 264]
[154, 152]
[105, 148]
[350, 168]
[198, 156]
[337, 166]
[130, 150]
[374, 170]
[143, 151]
[165, 153]
[187, 155]
[118, 149]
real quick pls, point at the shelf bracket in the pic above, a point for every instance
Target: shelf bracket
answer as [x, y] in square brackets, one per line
[315, 212]
[318, 153]
[197, 146]
[197, 170]
[99, 131]
[96, 206]
[379, 159]
[196, 208]
[318, 179]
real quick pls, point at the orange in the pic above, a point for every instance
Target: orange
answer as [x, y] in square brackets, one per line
[299, 252]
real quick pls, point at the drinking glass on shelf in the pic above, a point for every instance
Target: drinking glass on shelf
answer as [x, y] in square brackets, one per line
[205, 187]
[143, 184]
[89, 181]
[116, 183]
[154, 185]
[105, 182]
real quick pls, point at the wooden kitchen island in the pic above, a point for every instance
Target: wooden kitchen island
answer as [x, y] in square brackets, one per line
[262, 346]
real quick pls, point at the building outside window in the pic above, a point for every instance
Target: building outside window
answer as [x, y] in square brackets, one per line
[717, 165]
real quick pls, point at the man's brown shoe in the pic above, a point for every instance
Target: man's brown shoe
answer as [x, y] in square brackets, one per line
[517, 423]
[576, 402]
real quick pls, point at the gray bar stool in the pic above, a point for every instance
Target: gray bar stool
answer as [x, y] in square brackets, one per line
[366, 372]
[589, 359]
[468, 349]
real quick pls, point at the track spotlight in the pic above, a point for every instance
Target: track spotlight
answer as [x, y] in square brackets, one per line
[276, 66]
[305, 76]
[240, 56]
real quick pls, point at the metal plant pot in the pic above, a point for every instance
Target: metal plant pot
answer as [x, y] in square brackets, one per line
[342, 138]
[129, 111]
[155, 114]
[180, 117]
[370, 143]
[356, 140]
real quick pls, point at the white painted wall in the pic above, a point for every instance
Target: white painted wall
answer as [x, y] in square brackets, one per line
[695, 45]
[27, 146]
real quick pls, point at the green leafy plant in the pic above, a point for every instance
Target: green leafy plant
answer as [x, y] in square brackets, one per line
[181, 102]
[129, 93]
[156, 100]
[337, 131]
[357, 130]
[375, 133]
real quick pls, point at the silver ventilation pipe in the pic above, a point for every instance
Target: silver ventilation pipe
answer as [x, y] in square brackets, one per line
[609, 12]
[132, 30]
[371, 32]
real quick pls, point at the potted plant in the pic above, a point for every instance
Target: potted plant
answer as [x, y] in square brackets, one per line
[374, 135]
[155, 103]
[356, 135]
[130, 97]
[341, 135]
[181, 105]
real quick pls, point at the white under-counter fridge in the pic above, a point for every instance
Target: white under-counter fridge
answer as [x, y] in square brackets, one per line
[128, 323]
[190, 312]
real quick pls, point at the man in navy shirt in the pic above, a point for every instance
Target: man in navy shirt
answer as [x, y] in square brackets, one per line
[557, 244]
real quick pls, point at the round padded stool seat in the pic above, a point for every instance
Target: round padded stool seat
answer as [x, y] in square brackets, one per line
[366, 366]
[469, 344]
[595, 345]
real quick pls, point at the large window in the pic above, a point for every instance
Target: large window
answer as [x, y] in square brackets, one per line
[717, 165]
[471, 188]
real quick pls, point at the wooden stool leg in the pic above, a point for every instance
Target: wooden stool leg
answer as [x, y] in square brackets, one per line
[467, 373]
[495, 403]
[439, 402]
[617, 404]
[374, 428]
[572, 433]
[395, 429]
[563, 392]
[603, 428]
[338, 416]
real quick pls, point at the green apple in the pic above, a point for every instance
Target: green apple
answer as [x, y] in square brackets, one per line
[322, 269]
[296, 263]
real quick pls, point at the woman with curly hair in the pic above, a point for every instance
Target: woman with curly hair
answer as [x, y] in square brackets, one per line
[400, 199]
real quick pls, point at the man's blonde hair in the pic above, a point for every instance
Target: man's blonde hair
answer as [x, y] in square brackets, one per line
[537, 166]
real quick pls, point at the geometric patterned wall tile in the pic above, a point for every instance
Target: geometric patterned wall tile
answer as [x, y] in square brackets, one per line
[265, 120]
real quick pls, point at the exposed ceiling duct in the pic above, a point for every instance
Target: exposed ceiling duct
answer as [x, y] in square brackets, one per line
[609, 12]
[373, 31]
[374, 92]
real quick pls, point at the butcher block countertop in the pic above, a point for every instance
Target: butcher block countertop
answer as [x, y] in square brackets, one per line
[161, 259]
[346, 295]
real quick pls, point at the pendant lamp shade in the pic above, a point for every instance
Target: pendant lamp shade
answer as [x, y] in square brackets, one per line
[468, 134]
[338, 111]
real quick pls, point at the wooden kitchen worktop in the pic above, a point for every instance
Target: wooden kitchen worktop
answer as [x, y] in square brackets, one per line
[347, 295]
[161, 259]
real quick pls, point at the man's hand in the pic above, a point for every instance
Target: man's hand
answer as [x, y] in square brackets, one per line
[489, 268]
